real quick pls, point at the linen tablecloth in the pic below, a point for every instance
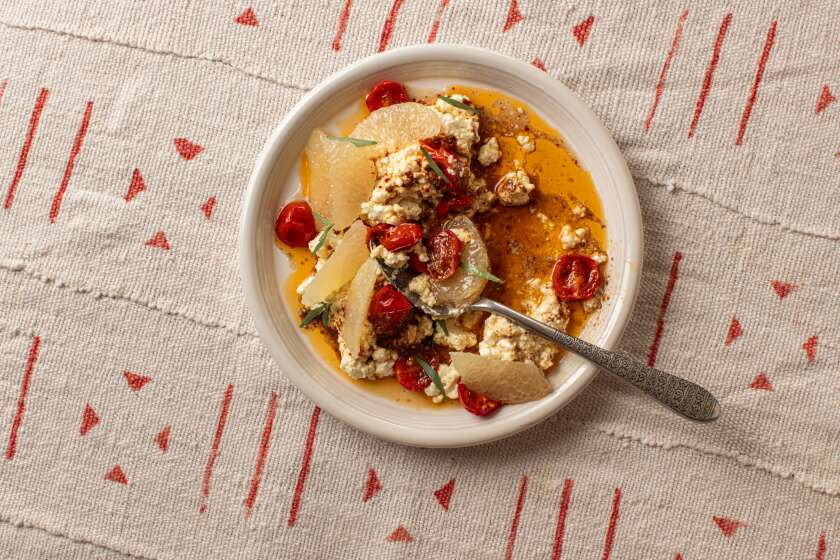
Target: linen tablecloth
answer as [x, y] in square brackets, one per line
[140, 416]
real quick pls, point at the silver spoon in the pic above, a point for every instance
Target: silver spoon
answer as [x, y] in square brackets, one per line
[683, 397]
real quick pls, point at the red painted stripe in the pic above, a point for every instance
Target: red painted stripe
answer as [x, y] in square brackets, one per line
[388, 28]
[27, 145]
[710, 72]
[759, 74]
[24, 390]
[660, 85]
[821, 548]
[3, 88]
[560, 531]
[663, 307]
[304, 466]
[265, 442]
[214, 449]
[610, 538]
[343, 18]
[436, 24]
[71, 162]
[514, 524]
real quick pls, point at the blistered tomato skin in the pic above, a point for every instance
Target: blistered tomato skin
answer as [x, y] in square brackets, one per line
[444, 255]
[403, 236]
[418, 265]
[410, 375]
[575, 277]
[459, 202]
[476, 403]
[444, 157]
[385, 93]
[375, 233]
[388, 309]
[295, 225]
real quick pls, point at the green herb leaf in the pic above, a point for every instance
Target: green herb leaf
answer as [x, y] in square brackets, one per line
[325, 316]
[322, 239]
[460, 105]
[358, 142]
[430, 371]
[321, 219]
[442, 324]
[314, 313]
[475, 271]
[435, 167]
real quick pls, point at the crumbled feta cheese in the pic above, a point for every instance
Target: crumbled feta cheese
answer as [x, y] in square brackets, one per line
[422, 286]
[571, 239]
[392, 259]
[415, 332]
[599, 257]
[329, 245]
[579, 211]
[373, 362]
[458, 123]
[489, 153]
[514, 188]
[526, 142]
[463, 235]
[592, 304]
[449, 378]
[458, 339]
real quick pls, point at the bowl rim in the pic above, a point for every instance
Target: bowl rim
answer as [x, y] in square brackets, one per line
[259, 182]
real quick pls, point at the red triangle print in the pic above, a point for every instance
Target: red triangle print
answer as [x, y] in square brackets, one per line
[678, 556]
[162, 439]
[734, 332]
[116, 475]
[158, 241]
[444, 494]
[761, 383]
[810, 347]
[782, 289]
[136, 187]
[826, 99]
[89, 420]
[400, 534]
[135, 380]
[727, 526]
[581, 30]
[247, 18]
[538, 63]
[372, 487]
[208, 206]
[187, 149]
[514, 16]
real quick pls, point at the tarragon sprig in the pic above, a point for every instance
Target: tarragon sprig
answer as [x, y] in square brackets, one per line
[430, 371]
[475, 271]
[460, 105]
[328, 225]
[435, 167]
[321, 310]
[358, 142]
[442, 324]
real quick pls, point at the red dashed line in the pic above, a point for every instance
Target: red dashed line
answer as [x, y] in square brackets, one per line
[214, 449]
[610, 537]
[821, 548]
[3, 88]
[660, 85]
[559, 532]
[259, 466]
[27, 145]
[436, 24]
[343, 18]
[663, 307]
[71, 162]
[24, 390]
[514, 16]
[710, 72]
[514, 524]
[388, 28]
[759, 74]
[304, 466]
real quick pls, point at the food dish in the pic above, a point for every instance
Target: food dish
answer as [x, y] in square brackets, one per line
[265, 269]
[446, 187]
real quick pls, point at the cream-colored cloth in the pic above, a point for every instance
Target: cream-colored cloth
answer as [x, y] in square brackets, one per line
[141, 416]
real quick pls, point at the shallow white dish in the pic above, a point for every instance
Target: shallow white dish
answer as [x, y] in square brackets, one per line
[275, 181]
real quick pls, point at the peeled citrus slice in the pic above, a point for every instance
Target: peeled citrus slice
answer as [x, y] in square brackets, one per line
[508, 382]
[398, 125]
[341, 177]
[358, 301]
[340, 268]
[463, 288]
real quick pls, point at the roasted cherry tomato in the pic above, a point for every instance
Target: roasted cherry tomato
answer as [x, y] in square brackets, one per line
[403, 236]
[476, 403]
[575, 277]
[444, 255]
[418, 265]
[459, 202]
[388, 309]
[385, 93]
[376, 232]
[445, 158]
[295, 226]
[409, 373]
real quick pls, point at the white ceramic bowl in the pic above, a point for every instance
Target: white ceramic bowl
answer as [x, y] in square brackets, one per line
[275, 181]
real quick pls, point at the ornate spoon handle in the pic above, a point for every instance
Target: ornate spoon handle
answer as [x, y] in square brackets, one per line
[683, 397]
